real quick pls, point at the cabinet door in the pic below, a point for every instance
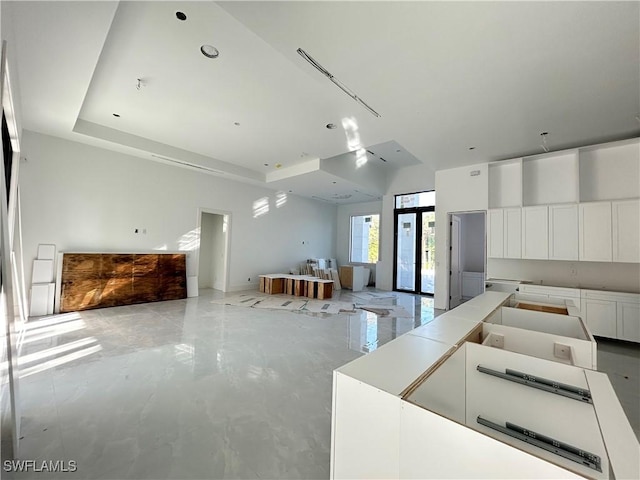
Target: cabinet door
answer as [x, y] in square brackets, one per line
[495, 233]
[595, 232]
[626, 231]
[600, 316]
[513, 233]
[563, 232]
[628, 321]
[535, 233]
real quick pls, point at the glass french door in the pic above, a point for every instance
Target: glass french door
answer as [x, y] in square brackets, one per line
[414, 258]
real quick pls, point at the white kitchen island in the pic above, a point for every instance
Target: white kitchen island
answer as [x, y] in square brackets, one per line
[437, 403]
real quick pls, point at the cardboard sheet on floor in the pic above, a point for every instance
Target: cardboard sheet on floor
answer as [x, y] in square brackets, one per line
[287, 302]
[386, 310]
[242, 300]
[324, 306]
[374, 295]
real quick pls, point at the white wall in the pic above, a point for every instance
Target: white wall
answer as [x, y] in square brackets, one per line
[612, 276]
[456, 191]
[83, 198]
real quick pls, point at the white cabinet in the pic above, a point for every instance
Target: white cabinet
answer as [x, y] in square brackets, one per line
[612, 314]
[549, 294]
[626, 230]
[512, 233]
[563, 232]
[504, 233]
[495, 233]
[595, 232]
[600, 316]
[628, 321]
[535, 233]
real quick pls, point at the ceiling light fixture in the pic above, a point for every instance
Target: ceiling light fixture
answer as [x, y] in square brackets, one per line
[181, 16]
[337, 82]
[544, 141]
[209, 51]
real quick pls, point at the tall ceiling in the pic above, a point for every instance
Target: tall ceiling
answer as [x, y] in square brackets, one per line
[444, 77]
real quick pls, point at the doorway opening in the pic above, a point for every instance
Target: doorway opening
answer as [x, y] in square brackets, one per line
[467, 256]
[414, 246]
[213, 252]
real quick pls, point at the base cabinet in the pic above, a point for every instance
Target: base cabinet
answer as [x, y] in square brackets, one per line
[628, 321]
[600, 316]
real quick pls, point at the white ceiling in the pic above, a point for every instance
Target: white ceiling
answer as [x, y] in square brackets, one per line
[445, 76]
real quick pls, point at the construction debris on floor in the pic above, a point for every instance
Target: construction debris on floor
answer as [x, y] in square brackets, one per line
[305, 305]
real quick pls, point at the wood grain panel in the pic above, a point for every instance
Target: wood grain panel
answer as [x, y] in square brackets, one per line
[80, 294]
[117, 266]
[105, 280]
[145, 265]
[81, 266]
[172, 265]
[117, 291]
[145, 289]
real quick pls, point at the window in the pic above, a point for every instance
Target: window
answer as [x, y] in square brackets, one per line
[365, 235]
[416, 200]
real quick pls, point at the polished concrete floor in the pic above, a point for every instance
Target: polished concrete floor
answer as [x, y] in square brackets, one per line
[190, 389]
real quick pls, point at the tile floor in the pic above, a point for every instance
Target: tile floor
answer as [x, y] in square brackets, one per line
[189, 389]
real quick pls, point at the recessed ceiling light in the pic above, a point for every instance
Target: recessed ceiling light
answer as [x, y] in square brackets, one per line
[116, 115]
[398, 151]
[266, 164]
[278, 165]
[290, 191]
[237, 124]
[209, 51]
[181, 16]
[331, 126]
[334, 182]
[472, 148]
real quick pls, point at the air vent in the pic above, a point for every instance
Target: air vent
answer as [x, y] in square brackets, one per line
[188, 164]
[335, 81]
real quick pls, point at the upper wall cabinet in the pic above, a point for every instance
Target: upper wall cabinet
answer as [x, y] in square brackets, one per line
[604, 180]
[505, 184]
[610, 172]
[550, 178]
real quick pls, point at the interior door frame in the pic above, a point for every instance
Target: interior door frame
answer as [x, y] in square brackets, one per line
[449, 216]
[418, 211]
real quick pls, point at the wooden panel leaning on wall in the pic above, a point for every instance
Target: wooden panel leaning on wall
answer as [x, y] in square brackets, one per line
[96, 280]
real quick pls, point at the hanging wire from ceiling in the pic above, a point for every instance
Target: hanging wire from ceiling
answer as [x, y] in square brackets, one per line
[544, 141]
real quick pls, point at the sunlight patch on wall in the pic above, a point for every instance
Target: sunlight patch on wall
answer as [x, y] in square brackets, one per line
[281, 199]
[353, 140]
[189, 241]
[260, 207]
